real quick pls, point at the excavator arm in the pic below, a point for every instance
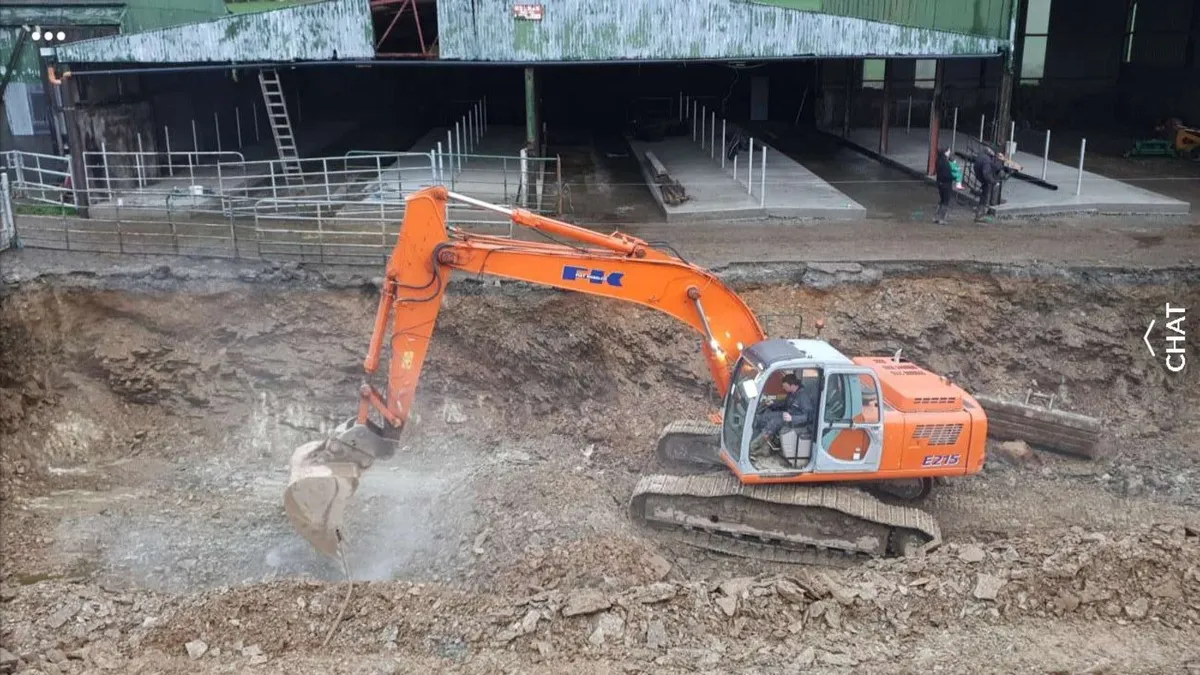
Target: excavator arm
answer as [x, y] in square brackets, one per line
[325, 473]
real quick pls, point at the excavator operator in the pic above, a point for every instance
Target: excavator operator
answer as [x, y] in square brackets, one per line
[795, 410]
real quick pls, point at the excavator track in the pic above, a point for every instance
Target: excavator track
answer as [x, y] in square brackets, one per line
[690, 445]
[699, 505]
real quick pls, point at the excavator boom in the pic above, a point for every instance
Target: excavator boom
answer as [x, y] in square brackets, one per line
[616, 267]
[326, 473]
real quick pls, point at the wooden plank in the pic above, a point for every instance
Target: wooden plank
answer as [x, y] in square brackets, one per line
[1059, 430]
[660, 169]
[672, 192]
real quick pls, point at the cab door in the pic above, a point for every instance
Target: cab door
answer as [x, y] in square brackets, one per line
[850, 426]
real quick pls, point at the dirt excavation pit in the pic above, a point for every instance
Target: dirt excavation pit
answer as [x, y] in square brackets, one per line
[146, 430]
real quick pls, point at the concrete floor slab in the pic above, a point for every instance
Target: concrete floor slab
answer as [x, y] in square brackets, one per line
[713, 194]
[1099, 194]
[792, 191]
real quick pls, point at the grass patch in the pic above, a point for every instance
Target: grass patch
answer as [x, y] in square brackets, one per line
[45, 210]
[247, 6]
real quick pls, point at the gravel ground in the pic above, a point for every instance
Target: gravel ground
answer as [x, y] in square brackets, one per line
[146, 416]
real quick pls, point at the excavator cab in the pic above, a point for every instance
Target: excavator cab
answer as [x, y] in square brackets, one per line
[846, 435]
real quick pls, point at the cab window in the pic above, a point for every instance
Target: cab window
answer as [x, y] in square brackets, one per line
[851, 397]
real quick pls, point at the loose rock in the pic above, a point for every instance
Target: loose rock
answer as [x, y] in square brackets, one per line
[61, 617]
[656, 592]
[727, 605]
[453, 413]
[789, 591]
[1015, 452]
[1138, 609]
[971, 554]
[196, 649]
[587, 601]
[987, 587]
[609, 625]
[658, 566]
[1168, 589]
[8, 661]
[838, 659]
[656, 634]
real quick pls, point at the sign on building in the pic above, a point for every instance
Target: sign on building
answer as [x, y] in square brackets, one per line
[528, 12]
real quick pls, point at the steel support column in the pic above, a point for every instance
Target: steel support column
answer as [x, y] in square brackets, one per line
[1004, 102]
[935, 114]
[885, 117]
[79, 178]
[531, 112]
[849, 98]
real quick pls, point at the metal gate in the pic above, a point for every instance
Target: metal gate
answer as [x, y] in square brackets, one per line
[8, 218]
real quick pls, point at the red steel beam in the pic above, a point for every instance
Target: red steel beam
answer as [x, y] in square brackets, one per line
[404, 5]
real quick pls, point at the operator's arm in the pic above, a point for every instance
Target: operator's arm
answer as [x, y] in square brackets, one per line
[799, 409]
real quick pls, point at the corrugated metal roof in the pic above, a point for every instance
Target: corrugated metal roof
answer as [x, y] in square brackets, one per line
[486, 30]
[334, 29]
[988, 18]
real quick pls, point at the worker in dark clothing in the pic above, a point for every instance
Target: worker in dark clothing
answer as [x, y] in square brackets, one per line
[945, 185]
[795, 410]
[988, 169]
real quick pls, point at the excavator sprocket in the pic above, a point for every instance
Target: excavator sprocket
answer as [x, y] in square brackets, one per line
[814, 524]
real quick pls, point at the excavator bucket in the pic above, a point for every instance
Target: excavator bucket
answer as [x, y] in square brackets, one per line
[324, 476]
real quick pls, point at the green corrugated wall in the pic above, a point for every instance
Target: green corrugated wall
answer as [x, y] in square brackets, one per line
[141, 15]
[987, 18]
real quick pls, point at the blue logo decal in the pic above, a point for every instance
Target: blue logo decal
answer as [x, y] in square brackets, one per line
[572, 273]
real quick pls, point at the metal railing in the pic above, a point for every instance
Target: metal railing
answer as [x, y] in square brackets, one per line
[175, 222]
[8, 223]
[732, 141]
[36, 177]
[118, 172]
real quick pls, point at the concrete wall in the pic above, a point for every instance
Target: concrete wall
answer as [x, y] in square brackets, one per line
[117, 127]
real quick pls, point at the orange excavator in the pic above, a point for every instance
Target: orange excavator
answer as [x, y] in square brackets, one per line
[829, 489]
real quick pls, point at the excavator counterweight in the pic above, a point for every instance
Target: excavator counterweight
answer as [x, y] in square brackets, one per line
[812, 457]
